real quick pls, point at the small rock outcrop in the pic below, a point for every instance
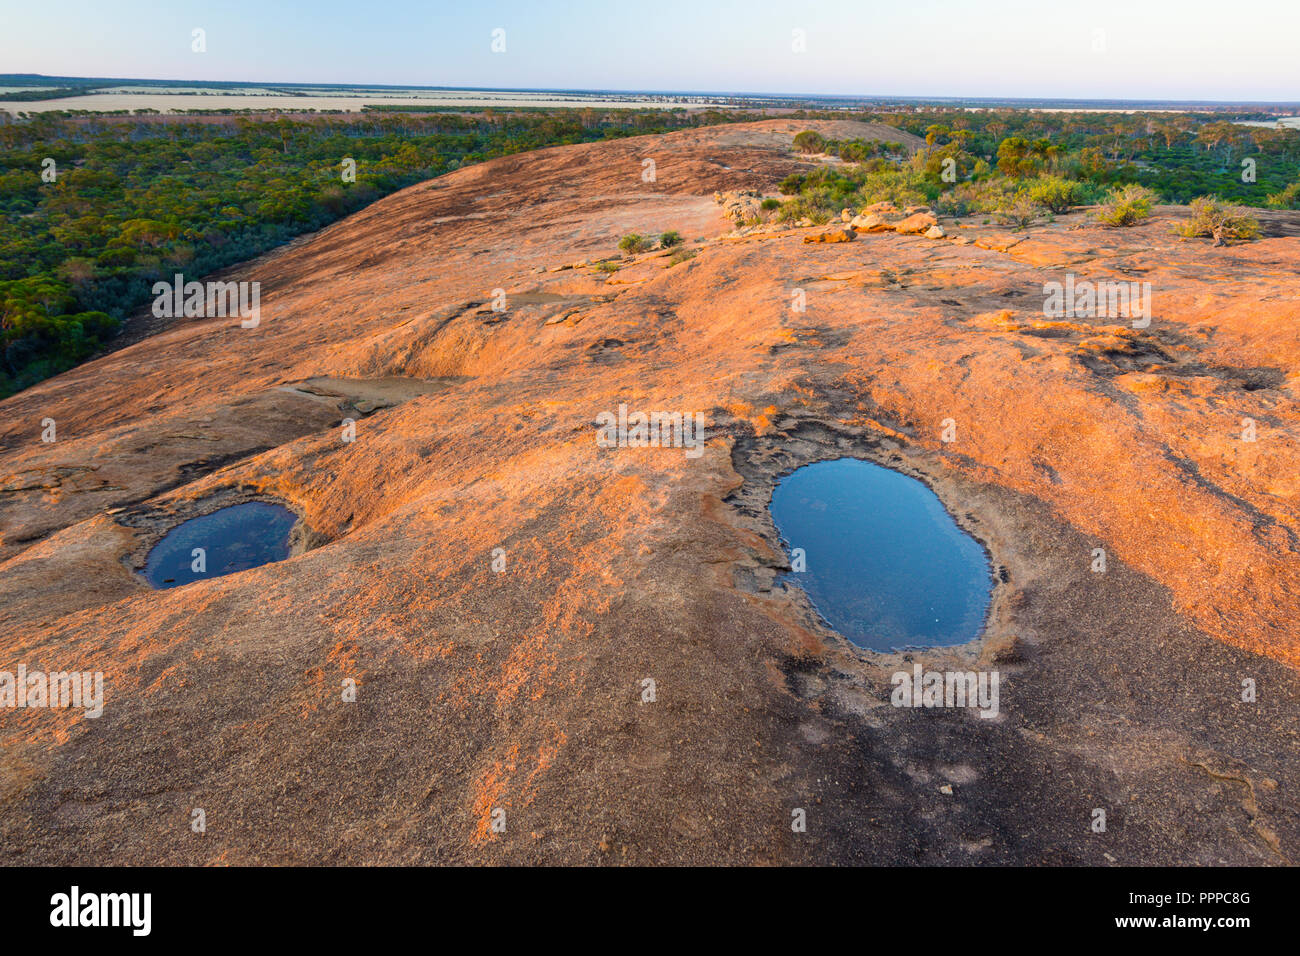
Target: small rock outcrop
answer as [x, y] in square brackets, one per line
[740, 206]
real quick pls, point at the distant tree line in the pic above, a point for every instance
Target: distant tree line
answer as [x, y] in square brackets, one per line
[50, 93]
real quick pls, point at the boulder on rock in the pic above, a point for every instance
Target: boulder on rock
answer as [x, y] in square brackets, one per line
[934, 232]
[870, 222]
[836, 234]
[916, 223]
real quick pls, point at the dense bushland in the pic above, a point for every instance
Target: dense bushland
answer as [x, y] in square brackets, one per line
[1018, 166]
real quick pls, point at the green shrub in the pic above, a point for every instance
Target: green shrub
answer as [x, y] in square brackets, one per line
[680, 255]
[822, 193]
[1212, 217]
[633, 243]
[1056, 193]
[975, 197]
[669, 239]
[859, 150]
[1126, 206]
[800, 208]
[902, 188]
[1288, 198]
[1019, 211]
[952, 203]
[770, 203]
[810, 142]
[791, 185]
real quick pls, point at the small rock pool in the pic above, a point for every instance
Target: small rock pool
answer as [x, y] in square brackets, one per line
[885, 564]
[232, 539]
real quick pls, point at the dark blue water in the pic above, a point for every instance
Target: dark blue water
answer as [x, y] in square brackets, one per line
[887, 566]
[234, 539]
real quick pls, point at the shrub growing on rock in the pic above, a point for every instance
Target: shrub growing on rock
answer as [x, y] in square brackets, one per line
[1212, 217]
[1126, 206]
[1020, 211]
[633, 243]
[810, 142]
[1056, 193]
[669, 239]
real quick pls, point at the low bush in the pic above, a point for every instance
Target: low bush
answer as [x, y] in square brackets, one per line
[1213, 218]
[1288, 198]
[810, 142]
[974, 197]
[820, 194]
[791, 185]
[1056, 193]
[1020, 211]
[1126, 206]
[633, 243]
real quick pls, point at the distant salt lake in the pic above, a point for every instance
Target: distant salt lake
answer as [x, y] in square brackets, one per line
[1291, 121]
[289, 98]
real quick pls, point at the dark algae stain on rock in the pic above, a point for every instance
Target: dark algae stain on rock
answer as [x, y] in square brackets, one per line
[881, 559]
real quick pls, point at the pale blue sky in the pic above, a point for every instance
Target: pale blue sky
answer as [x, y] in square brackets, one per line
[1175, 49]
